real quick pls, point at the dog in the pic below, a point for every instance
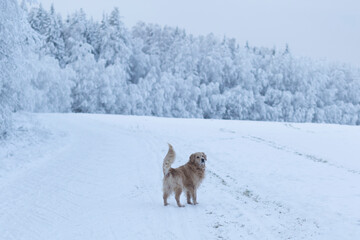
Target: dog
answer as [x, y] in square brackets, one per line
[186, 178]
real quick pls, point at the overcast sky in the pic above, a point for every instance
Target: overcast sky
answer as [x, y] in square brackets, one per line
[315, 28]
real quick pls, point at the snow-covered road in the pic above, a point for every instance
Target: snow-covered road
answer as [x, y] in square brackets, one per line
[99, 177]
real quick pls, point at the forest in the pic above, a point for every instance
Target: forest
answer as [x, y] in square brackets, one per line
[52, 63]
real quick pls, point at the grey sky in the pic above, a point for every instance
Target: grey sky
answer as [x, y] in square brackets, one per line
[315, 28]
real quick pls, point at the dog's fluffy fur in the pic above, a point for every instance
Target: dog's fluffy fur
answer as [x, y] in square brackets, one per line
[184, 178]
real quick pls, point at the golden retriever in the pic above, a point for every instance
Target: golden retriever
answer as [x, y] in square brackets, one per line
[187, 177]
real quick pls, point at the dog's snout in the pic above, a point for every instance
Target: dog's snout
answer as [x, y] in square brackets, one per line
[202, 160]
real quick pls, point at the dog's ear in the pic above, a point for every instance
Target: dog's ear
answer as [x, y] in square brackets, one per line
[192, 158]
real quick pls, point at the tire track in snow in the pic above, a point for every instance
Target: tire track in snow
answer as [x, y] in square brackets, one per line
[260, 226]
[280, 147]
[297, 153]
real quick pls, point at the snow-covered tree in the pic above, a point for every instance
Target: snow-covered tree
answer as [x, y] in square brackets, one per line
[29, 78]
[163, 71]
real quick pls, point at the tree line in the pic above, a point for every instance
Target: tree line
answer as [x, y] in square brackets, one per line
[77, 64]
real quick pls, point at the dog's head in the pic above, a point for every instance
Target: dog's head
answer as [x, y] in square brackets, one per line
[198, 158]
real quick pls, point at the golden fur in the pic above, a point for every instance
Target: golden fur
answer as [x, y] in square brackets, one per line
[184, 178]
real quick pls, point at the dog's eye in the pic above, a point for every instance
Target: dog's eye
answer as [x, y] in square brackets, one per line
[197, 157]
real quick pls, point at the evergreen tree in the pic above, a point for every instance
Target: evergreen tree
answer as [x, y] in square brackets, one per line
[162, 71]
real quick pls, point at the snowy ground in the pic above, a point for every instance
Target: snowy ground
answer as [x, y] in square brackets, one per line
[79, 176]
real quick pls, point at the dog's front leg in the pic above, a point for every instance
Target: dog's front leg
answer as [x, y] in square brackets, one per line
[188, 197]
[193, 194]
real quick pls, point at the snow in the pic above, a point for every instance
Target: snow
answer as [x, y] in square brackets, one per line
[50, 63]
[93, 176]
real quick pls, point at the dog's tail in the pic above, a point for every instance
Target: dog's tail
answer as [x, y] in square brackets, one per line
[169, 159]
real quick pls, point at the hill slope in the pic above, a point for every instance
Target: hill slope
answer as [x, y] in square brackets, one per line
[78, 176]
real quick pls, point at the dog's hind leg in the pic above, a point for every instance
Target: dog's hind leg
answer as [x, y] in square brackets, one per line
[165, 197]
[177, 196]
[166, 193]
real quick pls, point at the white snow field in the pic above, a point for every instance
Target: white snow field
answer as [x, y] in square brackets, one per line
[88, 176]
